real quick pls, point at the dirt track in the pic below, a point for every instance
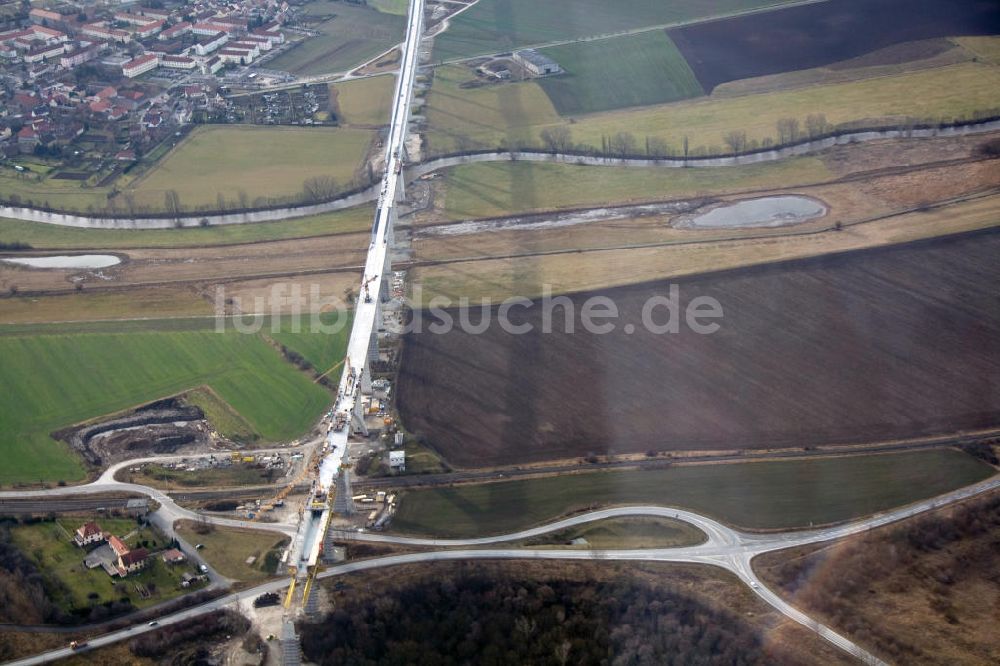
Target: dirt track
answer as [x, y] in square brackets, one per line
[859, 347]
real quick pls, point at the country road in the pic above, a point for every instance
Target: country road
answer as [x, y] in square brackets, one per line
[725, 547]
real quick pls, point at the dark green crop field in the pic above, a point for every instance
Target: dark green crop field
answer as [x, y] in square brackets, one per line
[494, 26]
[760, 495]
[635, 70]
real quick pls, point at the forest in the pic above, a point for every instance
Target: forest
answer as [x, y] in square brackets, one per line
[476, 619]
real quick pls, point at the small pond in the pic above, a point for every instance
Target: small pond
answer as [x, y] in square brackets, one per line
[66, 261]
[764, 212]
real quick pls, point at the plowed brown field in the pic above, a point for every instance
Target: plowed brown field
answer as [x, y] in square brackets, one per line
[863, 346]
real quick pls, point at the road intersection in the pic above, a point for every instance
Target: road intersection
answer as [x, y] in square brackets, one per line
[724, 547]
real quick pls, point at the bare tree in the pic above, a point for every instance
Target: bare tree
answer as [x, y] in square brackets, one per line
[623, 144]
[657, 147]
[557, 139]
[172, 201]
[788, 130]
[319, 188]
[244, 199]
[736, 140]
[816, 124]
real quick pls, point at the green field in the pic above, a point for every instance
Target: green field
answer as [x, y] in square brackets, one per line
[761, 495]
[629, 532]
[350, 36]
[44, 236]
[70, 583]
[492, 189]
[57, 193]
[365, 102]
[635, 70]
[494, 26]
[460, 118]
[515, 114]
[321, 350]
[228, 549]
[259, 162]
[227, 421]
[399, 7]
[53, 381]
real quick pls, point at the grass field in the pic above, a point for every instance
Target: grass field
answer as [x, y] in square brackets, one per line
[765, 495]
[514, 114]
[227, 550]
[483, 117]
[226, 420]
[57, 380]
[350, 35]
[635, 70]
[985, 48]
[399, 7]
[63, 194]
[157, 303]
[365, 102]
[260, 162]
[70, 583]
[493, 189]
[44, 236]
[493, 26]
[633, 532]
[321, 350]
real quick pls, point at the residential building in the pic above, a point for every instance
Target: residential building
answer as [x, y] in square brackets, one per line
[117, 545]
[149, 29]
[88, 533]
[132, 561]
[177, 62]
[175, 31]
[101, 31]
[173, 556]
[210, 43]
[141, 65]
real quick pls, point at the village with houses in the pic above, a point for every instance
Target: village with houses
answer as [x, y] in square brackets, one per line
[100, 86]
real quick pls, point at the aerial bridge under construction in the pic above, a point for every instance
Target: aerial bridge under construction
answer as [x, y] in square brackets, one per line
[362, 348]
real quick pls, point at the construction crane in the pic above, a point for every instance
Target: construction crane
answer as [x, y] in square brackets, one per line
[307, 471]
[364, 285]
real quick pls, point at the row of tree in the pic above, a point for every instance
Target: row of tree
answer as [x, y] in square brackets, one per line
[623, 144]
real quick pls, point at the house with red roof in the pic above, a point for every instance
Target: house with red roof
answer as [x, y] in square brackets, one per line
[132, 561]
[117, 545]
[88, 533]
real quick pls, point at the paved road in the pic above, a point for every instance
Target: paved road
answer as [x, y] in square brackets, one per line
[725, 547]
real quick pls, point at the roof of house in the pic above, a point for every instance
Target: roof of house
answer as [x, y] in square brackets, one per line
[173, 555]
[134, 556]
[89, 529]
[118, 545]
